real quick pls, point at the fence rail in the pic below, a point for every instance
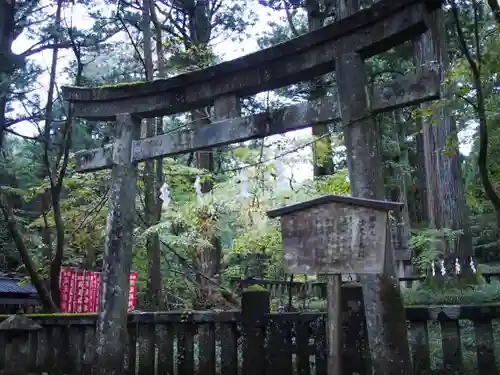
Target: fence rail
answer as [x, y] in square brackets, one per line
[280, 288]
[443, 339]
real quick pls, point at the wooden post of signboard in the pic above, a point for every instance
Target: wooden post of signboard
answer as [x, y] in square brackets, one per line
[334, 235]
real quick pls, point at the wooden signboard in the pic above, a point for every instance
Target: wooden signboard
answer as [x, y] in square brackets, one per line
[335, 234]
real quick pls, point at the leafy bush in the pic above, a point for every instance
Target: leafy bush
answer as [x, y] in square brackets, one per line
[473, 294]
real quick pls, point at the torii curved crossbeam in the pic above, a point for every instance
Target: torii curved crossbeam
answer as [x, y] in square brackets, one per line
[370, 31]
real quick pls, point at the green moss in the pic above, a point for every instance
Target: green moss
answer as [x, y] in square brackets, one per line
[55, 315]
[124, 84]
[255, 288]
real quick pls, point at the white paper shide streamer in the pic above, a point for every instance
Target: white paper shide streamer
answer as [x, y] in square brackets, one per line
[165, 195]
[244, 193]
[280, 173]
[199, 193]
[443, 269]
[472, 265]
[458, 269]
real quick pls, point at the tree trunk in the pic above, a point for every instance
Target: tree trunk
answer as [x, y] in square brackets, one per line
[161, 299]
[200, 32]
[401, 195]
[322, 148]
[445, 191]
[52, 172]
[46, 231]
[421, 214]
[7, 16]
[153, 293]
[475, 67]
[47, 302]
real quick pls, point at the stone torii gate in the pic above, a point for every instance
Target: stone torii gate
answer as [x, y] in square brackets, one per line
[342, 46]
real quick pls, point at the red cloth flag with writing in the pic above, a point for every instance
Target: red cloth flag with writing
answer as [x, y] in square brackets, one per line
[87, 276]
[93, 291]
[65, 280]
[80, 290]
[97, 297]
[132, 293]
[72, 292]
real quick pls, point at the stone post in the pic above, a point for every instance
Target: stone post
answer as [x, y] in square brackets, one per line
[112, 318]
[385, 316]
[255, 305]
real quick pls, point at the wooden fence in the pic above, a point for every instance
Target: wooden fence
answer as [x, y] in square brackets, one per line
[443, 340]
[282, 288]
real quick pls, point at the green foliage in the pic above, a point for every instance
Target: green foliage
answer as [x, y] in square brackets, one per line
[428, 245]
[466, 295]
[335, 184]
[255, 288]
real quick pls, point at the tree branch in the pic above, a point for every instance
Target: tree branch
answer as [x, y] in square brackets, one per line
[43, 294]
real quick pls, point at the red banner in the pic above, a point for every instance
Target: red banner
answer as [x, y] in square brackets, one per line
[65, 279]
[132, 291]
[80, 290]
[94, 289]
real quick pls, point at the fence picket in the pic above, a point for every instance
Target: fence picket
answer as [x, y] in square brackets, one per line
[145, 338]
[206, 342]
[452, 354]
[419, 346]
[228, 336]
[485, 347]
[165, 345]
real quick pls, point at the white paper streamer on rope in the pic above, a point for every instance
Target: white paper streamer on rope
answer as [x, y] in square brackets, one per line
[280, 173]
[165, 195]
[199, 193]
[457, 266]
[472, 265]
[244, 194]
[443, 269]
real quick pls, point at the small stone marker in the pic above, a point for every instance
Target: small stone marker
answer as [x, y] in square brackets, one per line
[333, 235]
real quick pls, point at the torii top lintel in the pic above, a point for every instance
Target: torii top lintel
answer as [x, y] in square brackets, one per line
[369, 32]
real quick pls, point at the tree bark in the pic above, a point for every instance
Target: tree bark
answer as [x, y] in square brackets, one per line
[7, 17]
[47, 302]
[151, 202]
[322, 156]
[399, 192]
[54, 175]
[421, 215]
[480, 107]
[445, 191]
[200, 30]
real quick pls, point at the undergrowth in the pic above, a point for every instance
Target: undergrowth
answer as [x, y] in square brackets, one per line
[465, 295]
